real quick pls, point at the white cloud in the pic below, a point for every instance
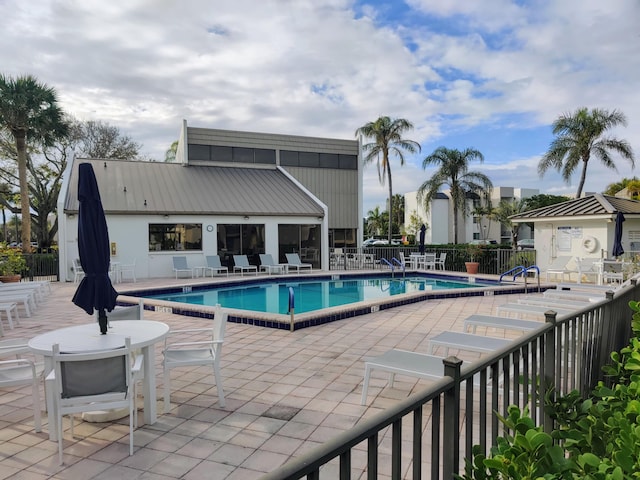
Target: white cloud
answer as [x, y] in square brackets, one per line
[326, 67]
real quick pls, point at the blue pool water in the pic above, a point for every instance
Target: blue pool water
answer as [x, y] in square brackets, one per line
[314, 294]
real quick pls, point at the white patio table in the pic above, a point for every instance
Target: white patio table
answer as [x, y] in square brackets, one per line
[144, 335]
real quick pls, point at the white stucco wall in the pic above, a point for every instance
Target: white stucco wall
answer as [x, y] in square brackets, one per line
[131, 236]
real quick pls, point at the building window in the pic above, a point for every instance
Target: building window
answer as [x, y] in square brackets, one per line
[301, 239]
[165, 237]
[240, 239]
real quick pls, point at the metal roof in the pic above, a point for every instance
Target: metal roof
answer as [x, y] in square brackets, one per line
[170, 188]
[594, 205]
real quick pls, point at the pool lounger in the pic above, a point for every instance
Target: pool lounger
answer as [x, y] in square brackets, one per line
[505, 323]
[594, 296]
[405, 363]
[536, 310]
[554, 302]
[466, 341]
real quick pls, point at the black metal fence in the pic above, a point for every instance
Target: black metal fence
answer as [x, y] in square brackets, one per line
[445, 421]
[492, 260]
[42, 266]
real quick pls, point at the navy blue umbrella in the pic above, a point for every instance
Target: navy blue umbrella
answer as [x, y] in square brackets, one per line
[617, 238]
[95, 290]
[423, 229]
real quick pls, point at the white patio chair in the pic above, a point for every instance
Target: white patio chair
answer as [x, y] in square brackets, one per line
[428, 261]
[20, 372]
[204, 349]
[180, 266]
[85, 382]
[268, 265]
[78, 272]
[293, 260]
[127, 269]
[440, 261]
[241, 263]
[612, 272]
[559, 267]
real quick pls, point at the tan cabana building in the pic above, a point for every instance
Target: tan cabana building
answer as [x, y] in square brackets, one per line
[583, 228]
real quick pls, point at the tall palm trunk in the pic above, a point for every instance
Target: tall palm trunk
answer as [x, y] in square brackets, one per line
[21, 147]
[455, 223]
[390, 202]
[583, 177]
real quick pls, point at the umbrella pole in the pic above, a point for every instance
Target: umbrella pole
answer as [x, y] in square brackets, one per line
[102, 321]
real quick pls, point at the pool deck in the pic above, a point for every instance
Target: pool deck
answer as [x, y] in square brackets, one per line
[286, 392]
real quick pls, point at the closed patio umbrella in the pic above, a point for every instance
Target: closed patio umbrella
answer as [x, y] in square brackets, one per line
[617, 249]
[423, 230]
[95, 290]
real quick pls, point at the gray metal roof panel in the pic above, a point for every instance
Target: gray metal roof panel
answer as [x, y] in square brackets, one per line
[592, 205]
[165, 188]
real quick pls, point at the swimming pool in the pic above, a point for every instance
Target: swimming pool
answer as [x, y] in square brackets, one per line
[418, 289]
[309, 295]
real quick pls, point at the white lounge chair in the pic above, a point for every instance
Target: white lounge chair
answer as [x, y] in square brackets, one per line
[293, 260]
[180, 266]
[466, 341]
[241, 263]
[268, 265]
[560, 267]
[214, 266]
[402, 362]
[588, 267]
[504, 323]
[537, 311]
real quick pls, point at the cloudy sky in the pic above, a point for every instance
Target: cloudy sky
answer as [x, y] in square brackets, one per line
[490, 74]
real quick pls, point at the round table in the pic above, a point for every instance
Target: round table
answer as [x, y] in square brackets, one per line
[144, 334]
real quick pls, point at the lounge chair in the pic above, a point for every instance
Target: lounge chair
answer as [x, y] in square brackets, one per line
[504, 323]
[402, 362]
[241, 263]
[588, 267]
[537, 311]
[559, 267]
[268, 265]
[214, 266]
[466, 341]
[612, 272]
[293, 260]
[180, 266]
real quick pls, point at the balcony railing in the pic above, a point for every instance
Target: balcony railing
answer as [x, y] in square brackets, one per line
[431, 433]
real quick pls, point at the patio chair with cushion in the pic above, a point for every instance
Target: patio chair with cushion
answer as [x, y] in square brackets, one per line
[203, 347]
[268, 265]
[90, 381]
[214, 266]
[241, 264]
[293, 260]
[180, 266]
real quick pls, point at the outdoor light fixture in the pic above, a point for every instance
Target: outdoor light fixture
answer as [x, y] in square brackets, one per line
[246, 217]
[125, 189]
[145, 202]
[166, 216]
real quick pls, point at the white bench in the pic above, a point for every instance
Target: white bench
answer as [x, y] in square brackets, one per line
[505, 323]
[7, 308]
[466, 341]
[405, 363]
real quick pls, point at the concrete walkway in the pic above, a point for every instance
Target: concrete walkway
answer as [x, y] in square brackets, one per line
[286, 392]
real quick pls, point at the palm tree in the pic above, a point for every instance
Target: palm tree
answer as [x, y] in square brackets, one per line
[375, 221]
[581, 135]
[453, 171]
[504, 211]
[30, 111]
[387, 136]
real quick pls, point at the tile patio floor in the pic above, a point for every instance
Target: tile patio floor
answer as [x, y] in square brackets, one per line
[286, 392]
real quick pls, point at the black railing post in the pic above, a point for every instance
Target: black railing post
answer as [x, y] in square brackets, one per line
[549, 366]
[451, 434]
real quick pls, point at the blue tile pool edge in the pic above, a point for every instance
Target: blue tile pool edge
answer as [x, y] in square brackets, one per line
[318, 317]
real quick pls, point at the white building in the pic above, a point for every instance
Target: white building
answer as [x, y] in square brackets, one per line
[439, 216]
[227, 193]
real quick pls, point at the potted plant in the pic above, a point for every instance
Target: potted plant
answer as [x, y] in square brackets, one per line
[12, 264]
[474, 251]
